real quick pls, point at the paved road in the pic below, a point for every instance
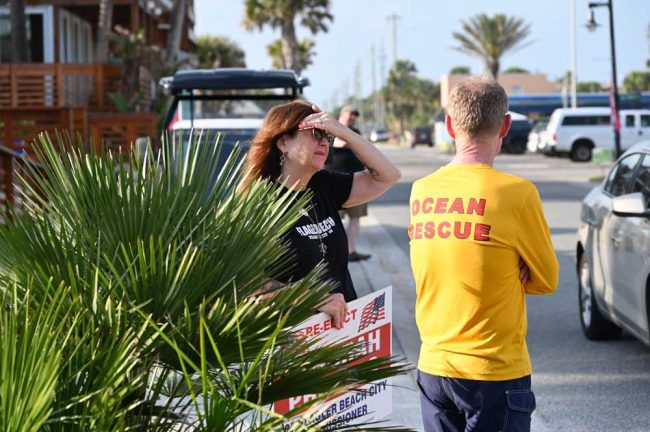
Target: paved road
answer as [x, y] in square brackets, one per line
[580, 385]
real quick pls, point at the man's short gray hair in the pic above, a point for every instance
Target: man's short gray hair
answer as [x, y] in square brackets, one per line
[477, 106]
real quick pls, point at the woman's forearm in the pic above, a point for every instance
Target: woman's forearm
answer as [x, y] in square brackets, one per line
[379, 166]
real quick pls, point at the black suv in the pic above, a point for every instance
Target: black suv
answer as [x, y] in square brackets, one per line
[422, 135]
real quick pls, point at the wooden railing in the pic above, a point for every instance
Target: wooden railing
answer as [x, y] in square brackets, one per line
[66, 85]
[12, 164]
[64, 98]
[115, 131]
[19, 127]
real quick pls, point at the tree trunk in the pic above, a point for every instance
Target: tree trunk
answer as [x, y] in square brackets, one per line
[20, 52]
[176, 30]
[104, 29]
[289, 45]
[494, 66]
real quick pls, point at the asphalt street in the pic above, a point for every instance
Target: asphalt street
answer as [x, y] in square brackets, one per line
[580, 385]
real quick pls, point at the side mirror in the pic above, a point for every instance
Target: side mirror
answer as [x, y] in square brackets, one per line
[630, 205]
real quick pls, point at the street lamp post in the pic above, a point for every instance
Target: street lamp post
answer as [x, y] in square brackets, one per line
[592, 25]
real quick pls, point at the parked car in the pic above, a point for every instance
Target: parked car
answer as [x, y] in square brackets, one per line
[379, 135]
[536, 137]
[230, 101]
[613, 251]
[421, 135]
[577, 131]
[515, 141]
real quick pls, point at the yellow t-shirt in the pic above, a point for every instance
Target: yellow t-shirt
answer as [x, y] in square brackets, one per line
[470, 224]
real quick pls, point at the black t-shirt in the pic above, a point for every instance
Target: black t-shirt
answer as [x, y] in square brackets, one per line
[342, 159]
[319, 233]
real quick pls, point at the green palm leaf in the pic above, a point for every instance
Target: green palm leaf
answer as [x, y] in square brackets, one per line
[159, 257]
[490, 38]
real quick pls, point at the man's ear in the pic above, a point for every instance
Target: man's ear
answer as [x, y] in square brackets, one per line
[506, 127]
[450, 126]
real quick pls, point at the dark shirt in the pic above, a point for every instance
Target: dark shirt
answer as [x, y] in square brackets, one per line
[320, 227]
[343, 160]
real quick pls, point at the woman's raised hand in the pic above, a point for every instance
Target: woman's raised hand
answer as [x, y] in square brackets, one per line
[322, 120]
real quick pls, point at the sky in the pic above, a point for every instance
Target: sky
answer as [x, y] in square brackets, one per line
[424, 36]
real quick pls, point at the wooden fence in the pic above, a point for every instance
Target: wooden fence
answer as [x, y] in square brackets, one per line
[21, 126]
[11, 164]
[113, 131]
[66, 85]
[64, 98]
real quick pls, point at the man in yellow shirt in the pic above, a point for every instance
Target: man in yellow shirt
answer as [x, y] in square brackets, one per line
[479, 244]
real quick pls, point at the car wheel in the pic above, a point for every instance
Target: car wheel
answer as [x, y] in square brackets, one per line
[581, 152]
[594, 325]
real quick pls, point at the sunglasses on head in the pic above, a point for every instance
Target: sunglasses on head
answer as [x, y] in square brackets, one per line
[319, 134]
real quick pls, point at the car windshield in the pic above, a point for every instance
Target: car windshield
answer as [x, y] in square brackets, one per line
[230, 137]
[226, 109]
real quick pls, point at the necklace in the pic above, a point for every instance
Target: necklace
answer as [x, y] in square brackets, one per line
[322, 246]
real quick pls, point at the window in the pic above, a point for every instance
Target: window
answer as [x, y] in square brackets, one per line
[642, 181]
[75, 39]
[629, 120]
[39, 34]
[645, 121]
[619, 179]
[584, 120]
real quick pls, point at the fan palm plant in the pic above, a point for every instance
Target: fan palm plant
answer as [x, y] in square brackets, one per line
[489, 38]
[135, 283]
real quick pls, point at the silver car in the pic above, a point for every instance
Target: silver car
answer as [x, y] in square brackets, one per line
[613, 251]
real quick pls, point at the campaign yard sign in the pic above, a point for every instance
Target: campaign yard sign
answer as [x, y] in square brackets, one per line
[368, 323]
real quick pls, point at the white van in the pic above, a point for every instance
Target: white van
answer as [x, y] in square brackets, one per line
[577, 131]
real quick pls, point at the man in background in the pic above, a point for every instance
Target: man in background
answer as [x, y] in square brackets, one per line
[342, 159]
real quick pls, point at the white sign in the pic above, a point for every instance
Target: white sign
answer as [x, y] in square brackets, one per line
[369, 323]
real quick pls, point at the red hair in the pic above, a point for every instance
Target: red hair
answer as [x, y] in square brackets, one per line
[263, 160]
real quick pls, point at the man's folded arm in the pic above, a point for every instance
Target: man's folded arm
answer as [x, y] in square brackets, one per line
[536, 248]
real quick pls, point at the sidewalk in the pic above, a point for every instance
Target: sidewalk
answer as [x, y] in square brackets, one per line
[390, 266]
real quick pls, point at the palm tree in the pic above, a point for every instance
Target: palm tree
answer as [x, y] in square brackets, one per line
[20, 52]
[281, 14]
[129, 298]
[401, 88]
[491, 37]
[104, 25]
[304, 54]
[219, 51]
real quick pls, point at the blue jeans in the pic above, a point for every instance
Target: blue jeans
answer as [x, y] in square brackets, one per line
[461, 405]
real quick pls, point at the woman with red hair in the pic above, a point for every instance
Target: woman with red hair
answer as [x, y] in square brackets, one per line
[291, 149]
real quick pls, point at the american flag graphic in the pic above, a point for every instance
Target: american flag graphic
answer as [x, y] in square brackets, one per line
[373, 312]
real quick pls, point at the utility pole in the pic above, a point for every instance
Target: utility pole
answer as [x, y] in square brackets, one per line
[375, 98]
[393, 18]
[574, 59]
[382, 83]
[357, 93]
